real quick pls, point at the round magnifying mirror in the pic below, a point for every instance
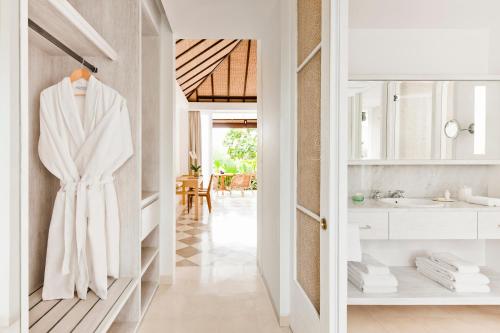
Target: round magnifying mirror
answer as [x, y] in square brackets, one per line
[451, 129]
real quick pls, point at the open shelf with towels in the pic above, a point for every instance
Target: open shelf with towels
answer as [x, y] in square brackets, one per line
[63, 21]
[416, 289]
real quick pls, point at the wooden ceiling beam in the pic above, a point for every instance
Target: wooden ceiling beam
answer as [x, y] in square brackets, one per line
[227, 97]
[212, 84]
[246, 67]
[234, 123]
[190, 48]
[202, 63]
[186, 90]
[206, 76]
[200, 54]
[228, 76]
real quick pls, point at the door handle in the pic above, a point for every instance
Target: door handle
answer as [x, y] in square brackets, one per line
[323, 224]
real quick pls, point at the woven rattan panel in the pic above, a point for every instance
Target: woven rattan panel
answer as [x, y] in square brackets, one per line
[308, 257]
[308, 27]
[308, 135]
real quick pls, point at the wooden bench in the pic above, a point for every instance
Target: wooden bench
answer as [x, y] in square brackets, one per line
[77, 315]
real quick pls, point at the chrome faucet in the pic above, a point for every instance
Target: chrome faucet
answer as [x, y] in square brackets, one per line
[376, 194]
[397, 194]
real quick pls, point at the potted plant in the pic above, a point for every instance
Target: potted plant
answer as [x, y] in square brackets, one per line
[196, 169]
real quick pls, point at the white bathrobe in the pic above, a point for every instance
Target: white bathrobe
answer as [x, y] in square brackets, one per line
[83, 148]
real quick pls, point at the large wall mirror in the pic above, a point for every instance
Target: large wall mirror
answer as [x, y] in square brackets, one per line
[424, 120]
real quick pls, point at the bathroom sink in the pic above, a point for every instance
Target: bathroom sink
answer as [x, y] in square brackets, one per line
[411, 202]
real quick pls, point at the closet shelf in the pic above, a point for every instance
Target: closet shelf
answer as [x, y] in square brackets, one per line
[124, 327]
[148, 254]
[416, 289]
[148, 197]
[63, 21]
[148, 290]
[76, 315]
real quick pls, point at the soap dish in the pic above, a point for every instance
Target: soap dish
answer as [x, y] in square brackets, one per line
[444, 200]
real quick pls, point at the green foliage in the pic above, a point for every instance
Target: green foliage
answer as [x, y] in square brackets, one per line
[241, 144]
[241, 152]
[195, 168]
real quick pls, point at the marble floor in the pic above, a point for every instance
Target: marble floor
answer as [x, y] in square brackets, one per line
[227, 236]
[218, 288]
[213, 299]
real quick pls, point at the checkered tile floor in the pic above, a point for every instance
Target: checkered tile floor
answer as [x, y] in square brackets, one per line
[227, 236]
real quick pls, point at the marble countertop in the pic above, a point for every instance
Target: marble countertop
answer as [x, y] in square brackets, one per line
[371, 205]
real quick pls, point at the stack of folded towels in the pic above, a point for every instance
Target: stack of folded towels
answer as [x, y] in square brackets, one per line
[453, 273]
[371, 276]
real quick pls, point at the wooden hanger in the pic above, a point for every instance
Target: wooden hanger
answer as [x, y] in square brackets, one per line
[80, 73]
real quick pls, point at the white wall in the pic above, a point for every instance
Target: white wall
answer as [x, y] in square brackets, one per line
[424, 37]
[9, 163]
[168, 156]
[426, 181]
[182, 135]
[259, 19]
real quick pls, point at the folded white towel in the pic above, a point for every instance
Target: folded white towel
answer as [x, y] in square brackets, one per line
[462, 278]
[353, 242]
[370, 265]
[485, 201]
[453, 286]
[453, 263]
[368, 280]
[373, 290]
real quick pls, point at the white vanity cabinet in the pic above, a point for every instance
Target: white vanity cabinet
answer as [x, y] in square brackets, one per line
[488, 225]
[433, 225]
[415, 224]
[371, 225]
[395, 236]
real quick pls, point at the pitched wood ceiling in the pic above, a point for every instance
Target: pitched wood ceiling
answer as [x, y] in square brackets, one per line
[217, 70]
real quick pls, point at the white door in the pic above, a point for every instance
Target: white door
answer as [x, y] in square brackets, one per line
[319, 281]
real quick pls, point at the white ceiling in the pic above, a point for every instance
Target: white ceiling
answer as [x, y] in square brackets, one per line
[236, 19]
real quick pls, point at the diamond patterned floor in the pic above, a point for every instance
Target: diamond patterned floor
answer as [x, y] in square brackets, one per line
[226, 237]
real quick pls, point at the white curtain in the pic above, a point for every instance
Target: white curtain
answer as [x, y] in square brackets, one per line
[195, 137]
[206, 146]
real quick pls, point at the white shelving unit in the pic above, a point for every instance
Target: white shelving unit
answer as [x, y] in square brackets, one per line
[148, 254]
[63, 21]
[424, 162]
[88, 27]
[148, 197]
[148, 290]
[416, 289]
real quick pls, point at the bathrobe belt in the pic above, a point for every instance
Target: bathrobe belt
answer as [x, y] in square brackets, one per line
[79, 214]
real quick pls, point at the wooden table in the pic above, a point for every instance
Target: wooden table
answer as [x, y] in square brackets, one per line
[193, 183]
[222, 177]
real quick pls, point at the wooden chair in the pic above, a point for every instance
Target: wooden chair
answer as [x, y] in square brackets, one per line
[202, 192]
[241, 183]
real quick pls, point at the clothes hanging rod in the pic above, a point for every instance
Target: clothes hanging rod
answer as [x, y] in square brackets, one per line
[42, 32]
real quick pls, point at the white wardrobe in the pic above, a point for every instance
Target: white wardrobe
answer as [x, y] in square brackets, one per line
[122, 38]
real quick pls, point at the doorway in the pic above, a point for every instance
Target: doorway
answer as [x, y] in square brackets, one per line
[217, 156]
[225, 232]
